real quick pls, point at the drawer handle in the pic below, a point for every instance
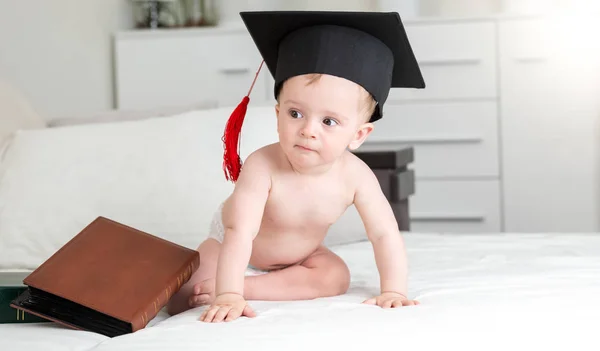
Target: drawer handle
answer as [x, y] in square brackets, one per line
[235, 70]
[450, 62]
[531, 59]
[447, 217]
[430, 140]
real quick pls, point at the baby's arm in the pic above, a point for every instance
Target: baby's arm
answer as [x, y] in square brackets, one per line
[242, 216]
[383, 232]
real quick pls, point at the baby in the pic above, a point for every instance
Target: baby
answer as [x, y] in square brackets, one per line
[289, 193]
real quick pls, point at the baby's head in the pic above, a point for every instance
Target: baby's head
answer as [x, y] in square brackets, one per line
[359, 57]
[319, 116]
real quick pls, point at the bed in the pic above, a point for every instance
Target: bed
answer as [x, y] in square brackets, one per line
[478, 291]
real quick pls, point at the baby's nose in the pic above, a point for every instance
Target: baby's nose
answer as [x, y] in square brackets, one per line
[309, 130]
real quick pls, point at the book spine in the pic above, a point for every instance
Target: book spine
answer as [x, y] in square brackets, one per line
[147, 314]
[9, 314]
[17, 316]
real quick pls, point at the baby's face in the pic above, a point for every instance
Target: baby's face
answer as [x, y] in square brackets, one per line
[317, 122]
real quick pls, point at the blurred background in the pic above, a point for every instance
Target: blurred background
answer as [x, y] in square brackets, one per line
[45, 42]
[507, 133]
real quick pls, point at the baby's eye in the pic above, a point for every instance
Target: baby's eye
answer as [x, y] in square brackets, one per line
[295, 114]
[329, 122]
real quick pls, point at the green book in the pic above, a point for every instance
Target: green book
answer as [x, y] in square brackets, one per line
[11, 286]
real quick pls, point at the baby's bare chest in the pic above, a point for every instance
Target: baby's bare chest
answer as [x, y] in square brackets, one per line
[298, 205]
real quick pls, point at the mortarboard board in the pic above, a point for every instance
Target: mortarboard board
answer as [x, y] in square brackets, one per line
[370, 49]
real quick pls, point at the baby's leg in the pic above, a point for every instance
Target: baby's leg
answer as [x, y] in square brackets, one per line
[209, 255]
[322, 274]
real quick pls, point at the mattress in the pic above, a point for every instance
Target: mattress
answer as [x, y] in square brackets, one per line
[484, 291]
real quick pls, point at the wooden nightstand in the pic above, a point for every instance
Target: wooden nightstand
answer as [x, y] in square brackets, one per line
[396, 179]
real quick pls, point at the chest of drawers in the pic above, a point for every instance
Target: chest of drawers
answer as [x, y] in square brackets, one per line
[470, 129]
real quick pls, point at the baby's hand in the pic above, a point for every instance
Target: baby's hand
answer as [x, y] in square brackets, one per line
[227, 307]
[391, 299]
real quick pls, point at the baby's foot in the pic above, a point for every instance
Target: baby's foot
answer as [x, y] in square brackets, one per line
[203, 293]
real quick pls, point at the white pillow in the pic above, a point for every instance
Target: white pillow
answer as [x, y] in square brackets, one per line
[160, 175]
[131, 115]
[15, 113]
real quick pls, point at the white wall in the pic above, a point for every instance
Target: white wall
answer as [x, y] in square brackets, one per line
[230, 8]
[58, 52]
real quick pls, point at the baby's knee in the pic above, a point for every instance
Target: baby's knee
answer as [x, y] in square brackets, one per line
[336, 278]
[343, 277]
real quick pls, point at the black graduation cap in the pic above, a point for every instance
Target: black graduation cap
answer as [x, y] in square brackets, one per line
[370, 49]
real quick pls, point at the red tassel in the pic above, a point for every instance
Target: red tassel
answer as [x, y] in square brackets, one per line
[231, 159]
[232, 163]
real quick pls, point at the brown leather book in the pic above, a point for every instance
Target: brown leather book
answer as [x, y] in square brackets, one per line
[110, 278]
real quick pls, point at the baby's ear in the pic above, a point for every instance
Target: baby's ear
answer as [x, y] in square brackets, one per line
[361, 135]
[277, 115]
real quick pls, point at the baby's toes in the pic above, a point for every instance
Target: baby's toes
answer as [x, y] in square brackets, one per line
[205, 299]
[200, 300]
[205, 287]
[193, 301]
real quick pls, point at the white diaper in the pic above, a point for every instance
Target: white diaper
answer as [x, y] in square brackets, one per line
[217, 232]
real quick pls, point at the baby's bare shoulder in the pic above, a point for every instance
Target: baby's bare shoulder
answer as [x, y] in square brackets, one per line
[266, 157]
[359, 177]
[355, 169]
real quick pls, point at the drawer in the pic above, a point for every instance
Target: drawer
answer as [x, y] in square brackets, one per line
[439, 206]
[396, 185]
[456, 206]
[182, 68]
[458, 60]
[458, 139]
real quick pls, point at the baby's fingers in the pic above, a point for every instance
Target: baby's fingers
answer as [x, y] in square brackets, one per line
[371, 301]
[399, 303]
[222, 313]
[209, 314]
[233, 314]
[248, 312]
[386, 303]
[203, 315]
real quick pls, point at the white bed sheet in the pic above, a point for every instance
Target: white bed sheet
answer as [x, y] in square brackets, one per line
[46, 336]
[478, 292]
[53, 337]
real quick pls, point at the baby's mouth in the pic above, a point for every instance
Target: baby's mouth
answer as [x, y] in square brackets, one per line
[304, 148]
